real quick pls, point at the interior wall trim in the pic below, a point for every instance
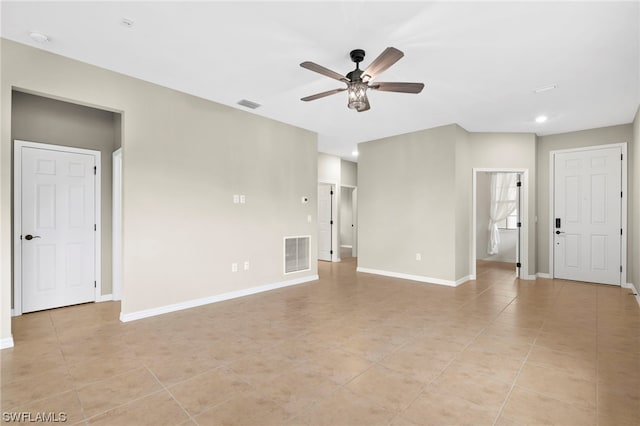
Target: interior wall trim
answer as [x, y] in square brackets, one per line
[146, 313]
[419, 278]
[634, 290]
[105, 298]
[6, 343]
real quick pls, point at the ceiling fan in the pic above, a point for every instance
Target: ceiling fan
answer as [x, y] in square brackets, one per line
[358, 81]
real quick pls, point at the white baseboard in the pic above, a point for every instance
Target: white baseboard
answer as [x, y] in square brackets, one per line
[13, 312]
[528, 277]
[464, 280]
[346, 246]
[419, 278]
[543, 275]
[633, 289]
[6, 343]
[212, 299]
[105, 298]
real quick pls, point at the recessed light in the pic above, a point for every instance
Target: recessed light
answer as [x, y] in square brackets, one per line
[541, 119]
[39, 37]
[545, 88]
[355, 153]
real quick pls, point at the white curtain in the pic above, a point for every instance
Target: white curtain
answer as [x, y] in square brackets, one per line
[504, 199]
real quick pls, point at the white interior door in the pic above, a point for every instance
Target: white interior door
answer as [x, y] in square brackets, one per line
[58, 219]
[587, 215]
[325, 221]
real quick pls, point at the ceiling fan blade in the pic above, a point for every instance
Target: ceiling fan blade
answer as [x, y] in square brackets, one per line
[322, 94]
[398, 87]
[366, 106]
[388, 57]
[322, 70]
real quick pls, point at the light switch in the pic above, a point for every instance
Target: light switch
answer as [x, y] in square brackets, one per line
[418, 256]
[246, 265]
[242, 199]
[309, 218]
[236, 198]
[234, 267]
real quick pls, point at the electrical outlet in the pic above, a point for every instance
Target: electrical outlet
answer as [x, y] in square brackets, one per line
[234, 267]
[246, 265]
[418, 256]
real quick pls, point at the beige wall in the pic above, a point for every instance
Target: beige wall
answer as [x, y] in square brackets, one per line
[39, 119]
[463, 176]
[348, 173]
[329, 168]
[184, 158]
[634, 202]
[409, 187]
[546, 144]
[516, 151]
[483, 201]
[406, 201]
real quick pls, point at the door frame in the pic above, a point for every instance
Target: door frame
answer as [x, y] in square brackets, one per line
[335, 228]
[524, 217]
[353, 218]
[17, 215]
[623, 212]
[354, 209]
[116, 226]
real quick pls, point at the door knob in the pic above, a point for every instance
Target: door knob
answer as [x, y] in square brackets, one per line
[559, 232]
[31, 237]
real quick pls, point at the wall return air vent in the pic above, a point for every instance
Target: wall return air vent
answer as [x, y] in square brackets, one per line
[296, 254]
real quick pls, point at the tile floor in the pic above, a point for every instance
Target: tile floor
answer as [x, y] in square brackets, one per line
[351, 349]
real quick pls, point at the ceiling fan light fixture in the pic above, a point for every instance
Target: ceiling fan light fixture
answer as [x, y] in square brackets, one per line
[357, 92]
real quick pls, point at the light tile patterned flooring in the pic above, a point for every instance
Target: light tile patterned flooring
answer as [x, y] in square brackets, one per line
[351, 349]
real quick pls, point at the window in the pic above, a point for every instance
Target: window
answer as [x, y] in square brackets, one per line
[510, 222]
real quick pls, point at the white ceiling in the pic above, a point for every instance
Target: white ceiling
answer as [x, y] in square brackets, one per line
[480, 61]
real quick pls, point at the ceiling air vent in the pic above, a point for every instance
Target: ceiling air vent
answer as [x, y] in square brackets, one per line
[248, 104]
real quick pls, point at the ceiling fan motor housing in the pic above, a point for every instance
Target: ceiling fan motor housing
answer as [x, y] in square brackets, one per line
[357, 55]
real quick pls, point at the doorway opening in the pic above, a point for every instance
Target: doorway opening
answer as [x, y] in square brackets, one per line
[69, 140]
[326, 214]
[348, 222]
[500, 220]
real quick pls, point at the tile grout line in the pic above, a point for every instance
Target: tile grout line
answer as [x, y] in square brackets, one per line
[434, 378]
[122, 405]
[66, 366]
[455, 357]
[171, 394]
[513, 385]
[597, 364]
